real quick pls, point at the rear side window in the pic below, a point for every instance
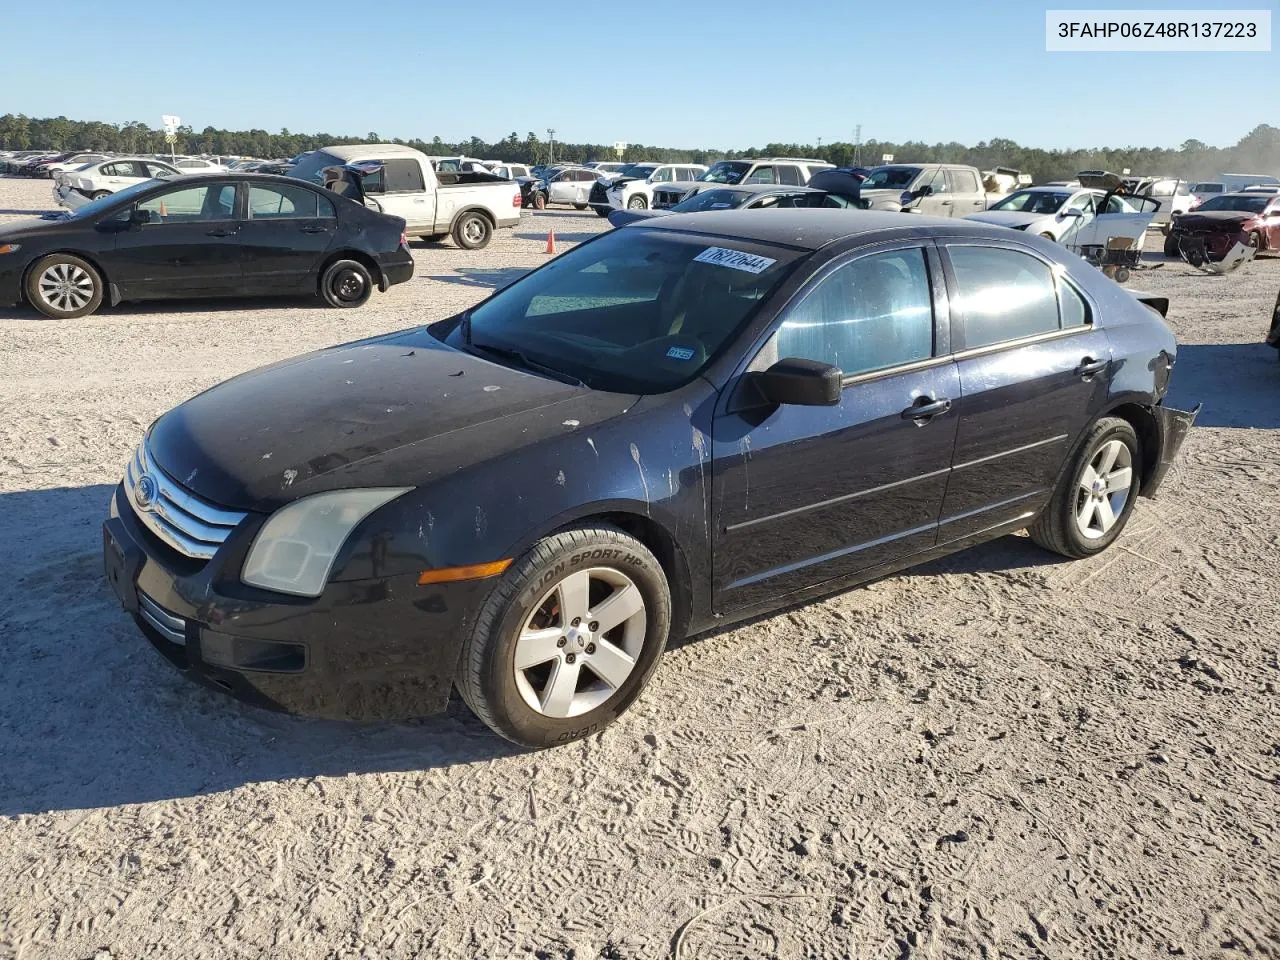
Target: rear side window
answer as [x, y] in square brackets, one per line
[963, 181]
[1075, 312]
[402, 175]
[1003, 295]
[869, 314]
[286, 202]
[122, 168]
[789, 175]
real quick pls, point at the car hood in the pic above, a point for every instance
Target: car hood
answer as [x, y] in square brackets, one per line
[396, 410]
[1006, 218]
[33, 227]
[1215, 220]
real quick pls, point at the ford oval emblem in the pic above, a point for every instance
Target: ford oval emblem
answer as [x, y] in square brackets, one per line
[146, 491]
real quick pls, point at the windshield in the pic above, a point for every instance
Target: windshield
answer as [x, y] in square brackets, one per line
[635, 311]
[97, 206]
[311, 167]
[714, 200]
[726, 171]
[1243, 204]
[637, 170]
[1032, 201]
[887, 178]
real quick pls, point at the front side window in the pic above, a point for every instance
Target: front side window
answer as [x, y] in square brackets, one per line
[286, 202]
[761, 175]
[1003, 295]
[789, 175]
[1082, 202]
[158, 171]
[215, 201]
[123, 168]
[662, 175]
[635, 311]
[869, 314]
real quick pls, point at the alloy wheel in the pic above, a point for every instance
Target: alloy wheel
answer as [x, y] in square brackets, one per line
[1104, 489]
[581, 642]
[65, 286]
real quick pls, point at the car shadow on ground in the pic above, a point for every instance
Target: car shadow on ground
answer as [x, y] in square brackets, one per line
[1239, 383]
[211, 306]
[561, 236]
[92, 716]
[490, 279]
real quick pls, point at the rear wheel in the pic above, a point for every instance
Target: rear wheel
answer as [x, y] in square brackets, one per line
[1171, 246]
[472, 231]
[99, 194]
[1048, 236]
[1255, 241]
[568, 638]
[540, 201]
[579, 206]
[63, 287]
[346, 283]
[1095, 495]
[601, 212]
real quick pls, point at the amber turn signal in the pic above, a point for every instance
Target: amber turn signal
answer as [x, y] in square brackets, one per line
[476, 571]
[10, 247]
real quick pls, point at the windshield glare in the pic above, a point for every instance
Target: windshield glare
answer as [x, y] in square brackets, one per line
[885, 178]
[713, 200]
[726, 171]
[97, 206]
[634, 311]
[1242, 204]
[1032, 201]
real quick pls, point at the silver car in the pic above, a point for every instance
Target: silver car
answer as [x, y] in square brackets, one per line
[571, 185]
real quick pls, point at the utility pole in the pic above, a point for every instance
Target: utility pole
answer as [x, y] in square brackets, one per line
[857, 145]
[551, 136]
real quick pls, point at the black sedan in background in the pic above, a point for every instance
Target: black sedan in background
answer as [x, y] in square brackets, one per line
[690, 421]
[209, 235]
[747, 196]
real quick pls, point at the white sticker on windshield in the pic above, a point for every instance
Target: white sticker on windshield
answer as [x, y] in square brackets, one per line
[735, 260]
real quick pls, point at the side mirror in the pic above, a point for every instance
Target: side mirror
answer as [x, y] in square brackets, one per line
[925, 191]
[138, 216]
[1072, 213]
[802, 383]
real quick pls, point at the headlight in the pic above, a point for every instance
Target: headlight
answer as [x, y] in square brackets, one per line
[295, 549]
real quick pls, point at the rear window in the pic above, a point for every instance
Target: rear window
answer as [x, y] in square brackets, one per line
[312, 167]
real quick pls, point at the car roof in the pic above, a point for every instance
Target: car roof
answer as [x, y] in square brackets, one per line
[354, 150]
[811, 229]
[764, 188]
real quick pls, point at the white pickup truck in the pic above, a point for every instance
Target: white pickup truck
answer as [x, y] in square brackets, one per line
[466, 206]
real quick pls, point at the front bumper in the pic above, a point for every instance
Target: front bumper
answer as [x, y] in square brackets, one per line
[1173, 426]
[375, 649]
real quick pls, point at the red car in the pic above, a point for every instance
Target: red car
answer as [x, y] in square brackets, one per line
[1251, 218]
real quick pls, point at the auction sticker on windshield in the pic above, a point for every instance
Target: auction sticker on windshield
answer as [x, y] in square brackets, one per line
[734, 260]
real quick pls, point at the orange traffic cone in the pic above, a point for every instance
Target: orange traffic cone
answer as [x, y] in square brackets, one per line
[551, 241]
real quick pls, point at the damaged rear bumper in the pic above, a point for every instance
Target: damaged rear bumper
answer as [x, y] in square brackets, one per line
[1173, 426]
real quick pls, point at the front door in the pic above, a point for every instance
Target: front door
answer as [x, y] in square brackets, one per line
[937, 202]
[1115, 218]
[289, 228]
[1034, 372]
[190, 247]
[399, 188]
[804, 495]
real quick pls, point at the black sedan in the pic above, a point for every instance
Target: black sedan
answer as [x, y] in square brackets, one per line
[683, 423]
[748, 196]
[210, 235]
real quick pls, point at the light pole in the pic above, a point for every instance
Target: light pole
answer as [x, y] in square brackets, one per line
[551, 136]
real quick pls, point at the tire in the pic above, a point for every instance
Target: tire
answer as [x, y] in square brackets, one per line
[1121, 275]
[601, 212]
[1049, 236]
[526, 706]
[346, 283]
[539, 201]
[579, 206]
[472, 231]
[637, 203]
[64, 287]
[1255, 241]
[99, 194]
[1171, 246]
[1072, 523]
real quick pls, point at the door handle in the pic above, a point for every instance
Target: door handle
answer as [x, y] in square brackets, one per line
[221, 233]
[925, 409]
[314, 230]
[1089, 366]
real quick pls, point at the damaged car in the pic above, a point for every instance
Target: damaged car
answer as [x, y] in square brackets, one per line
[1231, 227]
[688, 422]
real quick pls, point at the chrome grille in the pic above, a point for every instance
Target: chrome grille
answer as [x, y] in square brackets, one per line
[190, 525]
[170, 626]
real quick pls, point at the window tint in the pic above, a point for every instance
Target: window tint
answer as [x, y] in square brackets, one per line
[403, 175]
[963, 181]
[870, 313]
[1075, 312]
[216, 201]
[279, 202]
[761, 175]
[123, 168]
[789, 175]
[1002, 295]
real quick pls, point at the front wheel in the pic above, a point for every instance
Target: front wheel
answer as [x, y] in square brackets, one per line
[579, 206]
[568, 638]
[540, 201]
[346, 283]
[472, 231]
[1049, 236]
[1171, 246]
[602, 212]
[637, 203]
[64, 287]
[1095, 495]
[99, 194]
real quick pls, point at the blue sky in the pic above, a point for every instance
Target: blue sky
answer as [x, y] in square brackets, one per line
[689, 74]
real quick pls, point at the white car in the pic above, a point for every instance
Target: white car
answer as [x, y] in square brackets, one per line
[93, 181]
[1071, 216]
[632, 188]
[197, 165]
[509, 171]
[79, 160]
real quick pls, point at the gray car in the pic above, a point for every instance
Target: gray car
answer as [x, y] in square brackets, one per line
[934, 189]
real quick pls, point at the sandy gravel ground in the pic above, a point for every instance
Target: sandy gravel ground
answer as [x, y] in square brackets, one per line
[998, 755]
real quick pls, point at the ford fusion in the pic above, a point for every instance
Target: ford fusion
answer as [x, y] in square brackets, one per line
[690, 421]
[212, 235]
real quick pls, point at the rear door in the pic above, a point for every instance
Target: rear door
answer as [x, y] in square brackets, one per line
[191, 247]
[284, 238]
[803, 495]
[1034, 372]
[967, 195]
[119, 174]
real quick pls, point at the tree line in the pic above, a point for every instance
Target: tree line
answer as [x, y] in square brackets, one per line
[1258, 152]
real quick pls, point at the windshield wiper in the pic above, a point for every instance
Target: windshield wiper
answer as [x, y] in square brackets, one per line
[510, 353]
